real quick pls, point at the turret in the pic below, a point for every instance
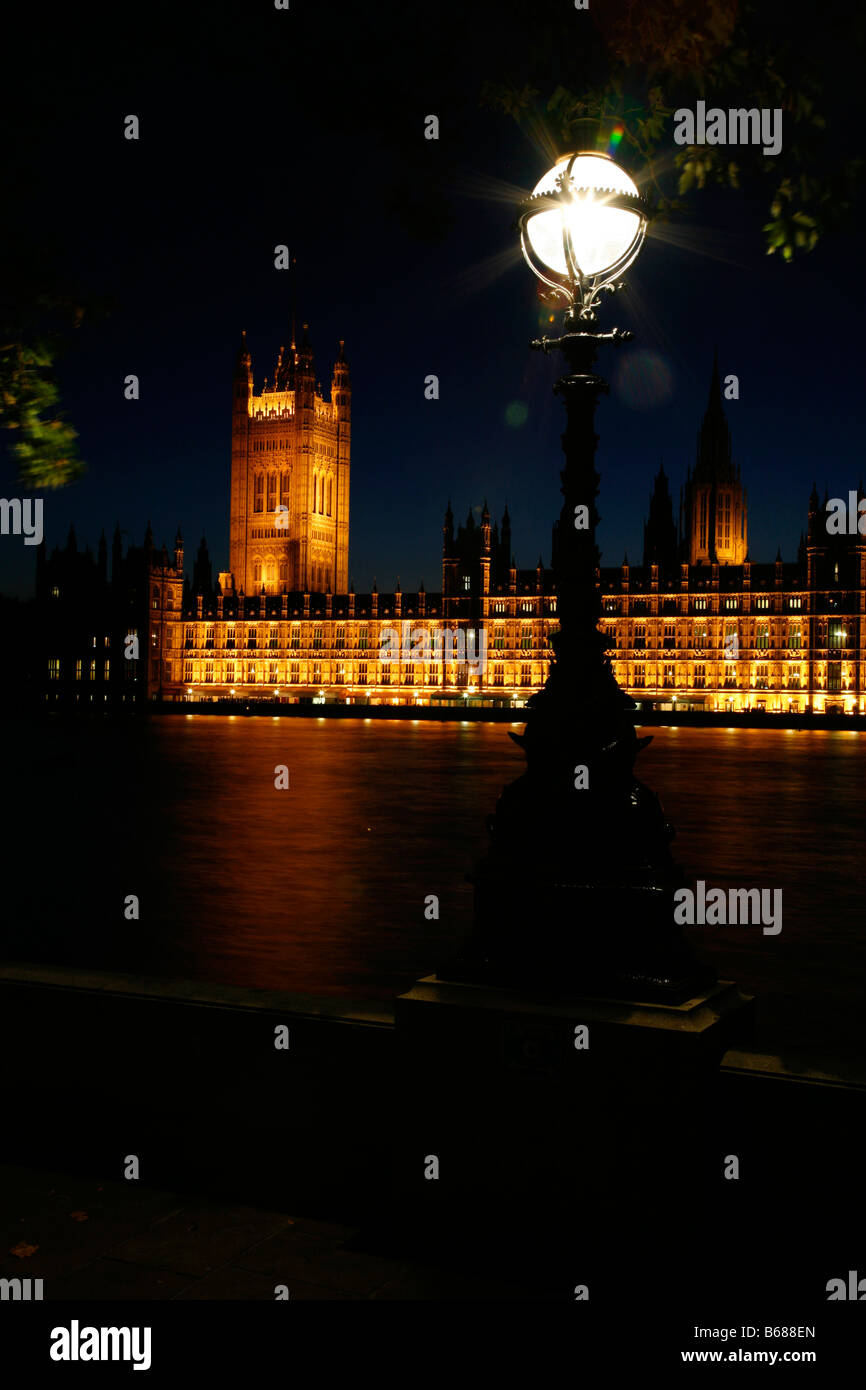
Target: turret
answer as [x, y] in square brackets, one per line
[341, 384]
[449, 556]
[116, 554]
[284, 376]
[485, 549]
[815, 521]
[242, 394]
[243, 377]
[305, 375]
[660, 532]
[448, 530]
[715, 501]
[504, 559]
[202, 576]
[341, 402]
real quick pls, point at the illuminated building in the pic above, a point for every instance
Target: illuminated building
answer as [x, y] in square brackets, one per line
[289, 525]
[697, 625]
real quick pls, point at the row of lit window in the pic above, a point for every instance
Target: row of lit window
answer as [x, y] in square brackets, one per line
[526, 605]
[252, 635]
[91, 667]
[254, 672]
[761, 681]
[730, 603]
[700, 641]
[323, 493]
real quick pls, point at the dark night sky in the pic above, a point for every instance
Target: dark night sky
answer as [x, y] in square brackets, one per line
[306, 127]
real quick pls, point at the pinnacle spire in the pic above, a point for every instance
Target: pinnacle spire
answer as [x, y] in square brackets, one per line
[715, 385]
[714, 461]
[243, 358]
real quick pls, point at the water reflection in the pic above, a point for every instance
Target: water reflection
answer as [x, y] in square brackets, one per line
[321, 888]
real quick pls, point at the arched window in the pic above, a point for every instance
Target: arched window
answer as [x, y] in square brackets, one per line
[257, 570]
[330, 486]
[284, 571]
[272, 492]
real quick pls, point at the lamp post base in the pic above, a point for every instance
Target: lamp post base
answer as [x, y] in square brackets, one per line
[578, 940]
[520, 1114]
[665, 983]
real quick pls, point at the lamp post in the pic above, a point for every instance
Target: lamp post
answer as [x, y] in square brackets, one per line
[576, 889]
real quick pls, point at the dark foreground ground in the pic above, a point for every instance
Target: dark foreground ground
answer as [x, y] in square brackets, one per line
[100, 1239]
[309, 1168]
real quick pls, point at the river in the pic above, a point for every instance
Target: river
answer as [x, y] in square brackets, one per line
[320, 889]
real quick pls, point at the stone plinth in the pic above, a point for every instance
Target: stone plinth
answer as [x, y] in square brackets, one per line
[499, 1092]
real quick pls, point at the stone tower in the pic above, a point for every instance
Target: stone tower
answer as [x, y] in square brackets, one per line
[660, 532]
[290, 476]
[715, 529]
[466, 563]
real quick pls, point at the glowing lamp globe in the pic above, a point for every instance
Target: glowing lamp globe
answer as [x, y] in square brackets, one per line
[583, 225]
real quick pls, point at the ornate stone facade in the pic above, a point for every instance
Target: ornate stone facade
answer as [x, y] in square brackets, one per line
[697, 625]
[289, 525]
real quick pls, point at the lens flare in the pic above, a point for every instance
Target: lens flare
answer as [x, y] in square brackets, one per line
[516, 414]
[644, 381]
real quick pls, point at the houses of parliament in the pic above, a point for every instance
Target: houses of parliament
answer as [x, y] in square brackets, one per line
[698, 625]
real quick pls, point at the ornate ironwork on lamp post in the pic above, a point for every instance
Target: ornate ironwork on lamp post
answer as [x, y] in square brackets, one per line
[576, 889]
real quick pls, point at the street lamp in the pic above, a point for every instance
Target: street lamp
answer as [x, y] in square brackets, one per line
[583, 225]
[576, 889]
